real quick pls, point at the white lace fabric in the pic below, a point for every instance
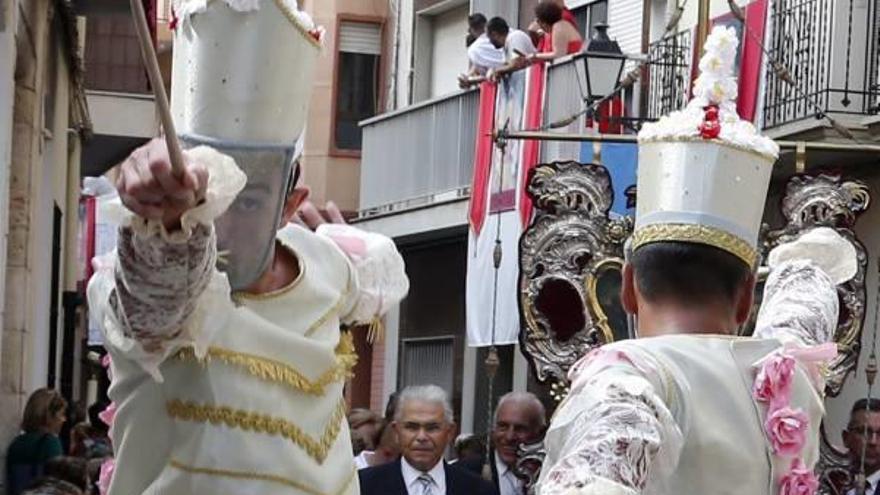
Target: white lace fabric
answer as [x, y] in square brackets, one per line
[620, 428]
[159, 290]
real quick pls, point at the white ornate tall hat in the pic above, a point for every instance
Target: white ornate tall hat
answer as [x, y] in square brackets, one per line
[243, 69]
[704, 172]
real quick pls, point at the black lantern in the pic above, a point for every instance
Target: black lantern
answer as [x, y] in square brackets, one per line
[602, 64]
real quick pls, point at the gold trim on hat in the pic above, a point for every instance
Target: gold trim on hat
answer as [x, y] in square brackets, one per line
[702, 234]
[698, 139]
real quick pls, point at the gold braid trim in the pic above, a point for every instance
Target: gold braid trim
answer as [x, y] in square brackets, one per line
[279, 372]
[249, 475]
[261, 423]
[702, 234]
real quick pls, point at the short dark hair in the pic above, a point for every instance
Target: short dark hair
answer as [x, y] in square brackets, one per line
[866, 404]
[687, 273]
[74, 470]
[477, 22]
[548, 13]
[498, 25]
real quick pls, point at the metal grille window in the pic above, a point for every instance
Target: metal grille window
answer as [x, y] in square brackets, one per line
[357, 85]
[428, 361]
[669, 74]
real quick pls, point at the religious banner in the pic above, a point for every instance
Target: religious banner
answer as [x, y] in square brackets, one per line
[497, 208]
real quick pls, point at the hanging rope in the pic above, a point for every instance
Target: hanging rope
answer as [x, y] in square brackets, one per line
[492, 361]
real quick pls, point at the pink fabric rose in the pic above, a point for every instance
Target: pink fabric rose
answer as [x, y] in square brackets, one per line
[106, 476]
[787, 429]
[773, 383]
[108, 414]
[799, 481]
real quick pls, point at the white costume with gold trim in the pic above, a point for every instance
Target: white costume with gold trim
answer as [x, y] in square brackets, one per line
[221, 393]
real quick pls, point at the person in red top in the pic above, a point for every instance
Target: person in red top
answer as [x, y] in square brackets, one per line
[561, 35]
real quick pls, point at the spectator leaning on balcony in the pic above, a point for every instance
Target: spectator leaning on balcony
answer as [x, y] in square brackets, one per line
[561, 36]
[482, 55]
[517, 46]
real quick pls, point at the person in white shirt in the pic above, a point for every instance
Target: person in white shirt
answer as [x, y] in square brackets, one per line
[519, 419]
[517, 46]
[482, 55]
[862, 433]
[424, 425]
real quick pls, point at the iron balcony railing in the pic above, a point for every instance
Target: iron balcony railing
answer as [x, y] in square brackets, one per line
[830, 48]
[669, 71]
[411, 155]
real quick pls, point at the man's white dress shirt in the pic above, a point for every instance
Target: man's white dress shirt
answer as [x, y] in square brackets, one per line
[508, 483]
[414, 486]
[872, 484]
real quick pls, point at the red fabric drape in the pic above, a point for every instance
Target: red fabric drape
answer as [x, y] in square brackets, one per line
[482, 157]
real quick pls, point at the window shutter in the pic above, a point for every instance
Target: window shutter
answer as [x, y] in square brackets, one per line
[360, 37]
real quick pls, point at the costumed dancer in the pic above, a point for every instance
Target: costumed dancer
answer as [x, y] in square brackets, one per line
[222, 318]
[690, 407]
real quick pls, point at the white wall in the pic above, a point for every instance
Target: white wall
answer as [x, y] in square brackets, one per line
[625, 21]
[448, 51]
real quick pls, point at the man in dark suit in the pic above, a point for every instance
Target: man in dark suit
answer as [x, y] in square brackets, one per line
[424, 426]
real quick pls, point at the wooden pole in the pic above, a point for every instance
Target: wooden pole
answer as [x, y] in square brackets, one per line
[702, 28]
[155, 75]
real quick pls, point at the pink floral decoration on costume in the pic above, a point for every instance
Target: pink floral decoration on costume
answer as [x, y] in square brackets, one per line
[108, 414]
[787, 429]
[799, 481]
[773, 383]
[106, 476]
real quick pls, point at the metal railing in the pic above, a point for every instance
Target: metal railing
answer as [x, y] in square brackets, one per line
[669, 72]
[831, 52]
[413, 154]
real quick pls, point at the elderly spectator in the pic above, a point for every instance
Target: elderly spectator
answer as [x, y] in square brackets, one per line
[364, 425]
[862, 434]
[424, 425]
[516, 44]
[520, 418]
[44, 415]
[563, 36]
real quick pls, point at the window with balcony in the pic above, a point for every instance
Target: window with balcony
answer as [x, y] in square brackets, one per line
[358, 59]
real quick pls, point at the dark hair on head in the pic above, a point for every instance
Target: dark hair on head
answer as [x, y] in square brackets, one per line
[477, 22]
[41, 406]
[391, 406]
[687, 273]
[497, 25]
[52, 486]
[74, 470]
[548, 13]
[95, 420]
[866, 404]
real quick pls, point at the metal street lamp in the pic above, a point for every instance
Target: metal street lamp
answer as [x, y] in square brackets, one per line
[602, 64]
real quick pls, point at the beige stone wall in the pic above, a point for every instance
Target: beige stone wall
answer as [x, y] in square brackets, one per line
[37, 180]
[333, 177]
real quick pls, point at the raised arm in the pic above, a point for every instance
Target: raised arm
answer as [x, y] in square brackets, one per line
[800, 297]
[144, 293]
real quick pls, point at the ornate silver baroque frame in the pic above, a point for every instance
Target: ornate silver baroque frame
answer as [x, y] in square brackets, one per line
[571, 258]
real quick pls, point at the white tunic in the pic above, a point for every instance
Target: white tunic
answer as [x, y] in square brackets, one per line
[221, 394]
[678, 414]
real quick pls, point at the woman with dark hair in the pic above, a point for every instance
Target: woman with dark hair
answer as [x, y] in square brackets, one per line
[561, 36]
[44, 415]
